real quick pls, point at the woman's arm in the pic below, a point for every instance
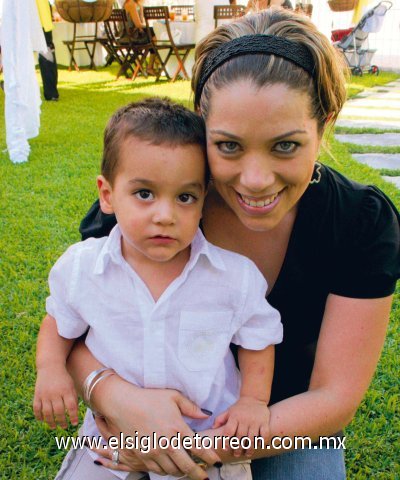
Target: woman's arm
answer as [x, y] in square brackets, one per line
[131, 10]
[350, 342]
[131, 409]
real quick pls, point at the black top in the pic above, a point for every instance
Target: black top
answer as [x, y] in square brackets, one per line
[345, 241]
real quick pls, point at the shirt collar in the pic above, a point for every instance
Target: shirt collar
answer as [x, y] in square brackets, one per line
[200, 246]
[111, 250]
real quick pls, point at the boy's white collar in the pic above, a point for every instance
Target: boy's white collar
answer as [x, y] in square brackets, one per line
[111, 250]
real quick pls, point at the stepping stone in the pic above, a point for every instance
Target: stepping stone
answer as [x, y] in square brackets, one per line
[394, 180]
[392, 96]
[373, 102]
[361, 123]
[375, 139]
[352, 110]
[379, 160]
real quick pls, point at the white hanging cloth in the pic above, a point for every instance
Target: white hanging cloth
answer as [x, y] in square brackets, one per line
[21, 35]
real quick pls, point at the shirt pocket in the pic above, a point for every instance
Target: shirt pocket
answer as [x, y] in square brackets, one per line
[204, 339]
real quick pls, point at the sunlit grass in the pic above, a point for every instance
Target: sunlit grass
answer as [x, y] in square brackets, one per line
[43, 202]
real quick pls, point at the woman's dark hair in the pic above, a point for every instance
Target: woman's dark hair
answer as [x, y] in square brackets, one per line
[326, 89]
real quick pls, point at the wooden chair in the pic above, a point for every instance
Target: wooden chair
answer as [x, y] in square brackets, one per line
[81, 42]
[179, 9]
[180, 51]
[228, 12]
[120, 45]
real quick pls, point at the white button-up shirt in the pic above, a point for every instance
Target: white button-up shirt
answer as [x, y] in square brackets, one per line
[180, 341]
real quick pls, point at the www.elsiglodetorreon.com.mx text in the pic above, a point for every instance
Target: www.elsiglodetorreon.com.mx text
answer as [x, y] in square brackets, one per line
[145, 443]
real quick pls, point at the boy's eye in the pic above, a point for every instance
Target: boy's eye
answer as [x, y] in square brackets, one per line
[286, 147]
[186, 198]
[228, 147]
[144, 195]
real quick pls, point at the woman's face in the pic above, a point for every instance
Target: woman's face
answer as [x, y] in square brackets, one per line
[262, 146]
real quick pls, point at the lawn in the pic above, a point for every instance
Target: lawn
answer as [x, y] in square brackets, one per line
[43, 202]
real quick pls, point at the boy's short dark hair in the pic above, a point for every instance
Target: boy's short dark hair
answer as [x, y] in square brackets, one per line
[157, 121]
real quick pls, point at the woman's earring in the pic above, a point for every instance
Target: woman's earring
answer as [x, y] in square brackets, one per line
[316, 178]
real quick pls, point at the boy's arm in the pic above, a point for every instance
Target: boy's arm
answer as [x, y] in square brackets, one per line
[54, 391]
[249, 416]
[52, 349]
[257, 369]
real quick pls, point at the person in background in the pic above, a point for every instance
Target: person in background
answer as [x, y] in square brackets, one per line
[47, 61]
[257, 5]
[134, 9]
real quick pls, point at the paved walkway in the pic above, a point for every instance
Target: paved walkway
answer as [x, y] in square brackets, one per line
[377, 108]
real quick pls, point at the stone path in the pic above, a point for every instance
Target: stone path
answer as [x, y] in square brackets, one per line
[377, 108]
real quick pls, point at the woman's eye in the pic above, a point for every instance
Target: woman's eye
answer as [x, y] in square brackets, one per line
[144, 195]
[286, 147]
[228, 147]
[186, 198]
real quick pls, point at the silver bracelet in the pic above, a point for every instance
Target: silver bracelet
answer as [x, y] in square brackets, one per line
[105, 375]
[88, 381]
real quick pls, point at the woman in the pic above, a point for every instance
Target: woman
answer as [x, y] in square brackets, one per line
[257, 5]
[134, 9]
[328, 247]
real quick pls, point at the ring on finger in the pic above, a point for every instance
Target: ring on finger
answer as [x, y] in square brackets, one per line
[115, 457]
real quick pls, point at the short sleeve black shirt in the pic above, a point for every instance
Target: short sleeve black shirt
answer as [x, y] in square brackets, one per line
[345, 241]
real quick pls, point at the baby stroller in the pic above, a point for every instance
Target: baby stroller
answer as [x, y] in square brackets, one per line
[354, 42]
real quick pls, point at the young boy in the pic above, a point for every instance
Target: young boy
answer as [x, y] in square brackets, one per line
[160, 304]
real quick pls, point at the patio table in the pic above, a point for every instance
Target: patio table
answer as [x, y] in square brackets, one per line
[183, 32]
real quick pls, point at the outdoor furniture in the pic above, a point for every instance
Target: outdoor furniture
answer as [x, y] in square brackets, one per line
[183, 32]
[228, 12]
[181, 10]
[121, 46]
[81, 42]
[172, 48]
[81, 11]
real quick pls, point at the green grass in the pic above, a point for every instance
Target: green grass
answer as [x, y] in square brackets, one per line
[389, 172]
[353, 148]
[43, 202]
[358, 84]
[365, 130]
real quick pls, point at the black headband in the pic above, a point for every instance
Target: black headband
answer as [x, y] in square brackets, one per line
[252, 44]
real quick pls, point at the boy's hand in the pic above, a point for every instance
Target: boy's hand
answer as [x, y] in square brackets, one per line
[248, 417]
[54, 394]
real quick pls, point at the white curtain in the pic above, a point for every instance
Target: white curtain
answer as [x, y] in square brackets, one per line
[21, 34]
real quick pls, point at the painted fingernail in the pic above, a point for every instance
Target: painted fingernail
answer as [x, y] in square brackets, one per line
[218, 464]
[206, 412]
[96, 462]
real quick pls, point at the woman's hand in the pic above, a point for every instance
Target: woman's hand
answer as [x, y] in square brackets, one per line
[143, 412]
[128, 460]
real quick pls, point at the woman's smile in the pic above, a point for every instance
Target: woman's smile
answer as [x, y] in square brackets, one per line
[257, 205]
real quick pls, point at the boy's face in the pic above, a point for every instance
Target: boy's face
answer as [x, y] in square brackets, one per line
[157, 196]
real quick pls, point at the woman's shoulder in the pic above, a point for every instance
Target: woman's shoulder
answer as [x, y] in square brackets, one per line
[358, 231]
[346, 198]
